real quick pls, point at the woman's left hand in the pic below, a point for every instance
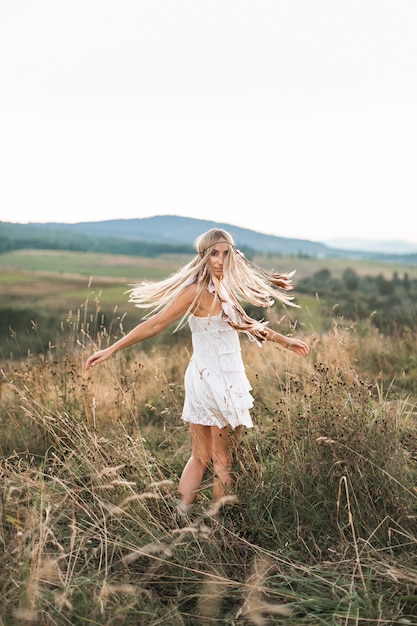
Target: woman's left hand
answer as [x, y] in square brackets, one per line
[297, 346]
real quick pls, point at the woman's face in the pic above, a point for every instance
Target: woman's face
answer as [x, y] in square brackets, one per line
[218, 254]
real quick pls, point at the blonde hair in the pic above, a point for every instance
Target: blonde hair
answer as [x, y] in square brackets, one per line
[242, 281]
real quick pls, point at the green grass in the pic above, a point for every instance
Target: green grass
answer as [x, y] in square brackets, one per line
[88, 264]
[44, 286]
[12, 277]
[308, 266]
[51, 283]
[137, 268]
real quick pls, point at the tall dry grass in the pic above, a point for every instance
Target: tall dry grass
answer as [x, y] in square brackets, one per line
[321, 528]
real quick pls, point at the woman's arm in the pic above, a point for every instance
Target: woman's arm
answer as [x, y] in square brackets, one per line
[296, 345]
[148, 328]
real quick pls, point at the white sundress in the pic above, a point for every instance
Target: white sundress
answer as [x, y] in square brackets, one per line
[217, 390]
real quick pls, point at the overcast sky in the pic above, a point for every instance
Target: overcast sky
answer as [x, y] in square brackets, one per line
[296, 118]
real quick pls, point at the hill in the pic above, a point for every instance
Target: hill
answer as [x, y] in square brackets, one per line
[170, 230]
[164, 233]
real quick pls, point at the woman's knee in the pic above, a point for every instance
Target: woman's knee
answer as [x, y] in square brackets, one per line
[203, 461]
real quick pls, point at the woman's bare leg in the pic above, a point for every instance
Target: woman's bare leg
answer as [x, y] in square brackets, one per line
[197, 464]
[222, 461]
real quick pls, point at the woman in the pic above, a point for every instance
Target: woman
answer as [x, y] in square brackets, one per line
[207, 293]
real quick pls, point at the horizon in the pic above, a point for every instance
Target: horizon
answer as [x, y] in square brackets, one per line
[342, 241]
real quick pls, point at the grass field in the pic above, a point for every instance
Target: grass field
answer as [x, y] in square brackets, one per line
[57, 282]
[321, 528]
[134, 268]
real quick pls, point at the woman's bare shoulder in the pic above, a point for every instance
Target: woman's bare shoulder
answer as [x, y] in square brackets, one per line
[198, 297]
[190, 291]
[188, 294]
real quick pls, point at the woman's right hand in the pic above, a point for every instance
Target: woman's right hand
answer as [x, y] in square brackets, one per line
[98, 357]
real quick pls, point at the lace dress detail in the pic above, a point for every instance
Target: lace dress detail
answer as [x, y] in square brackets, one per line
[217, 390]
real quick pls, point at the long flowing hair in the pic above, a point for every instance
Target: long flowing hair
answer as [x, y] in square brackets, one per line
[242, 282]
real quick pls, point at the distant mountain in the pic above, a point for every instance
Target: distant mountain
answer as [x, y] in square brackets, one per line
[184, 230]
[167, 229]
[151, 236]
[364, 245]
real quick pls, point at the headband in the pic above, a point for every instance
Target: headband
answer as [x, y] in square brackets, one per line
[203, 252]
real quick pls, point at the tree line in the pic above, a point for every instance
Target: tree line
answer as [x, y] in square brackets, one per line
[388, 304]
[82, 243]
